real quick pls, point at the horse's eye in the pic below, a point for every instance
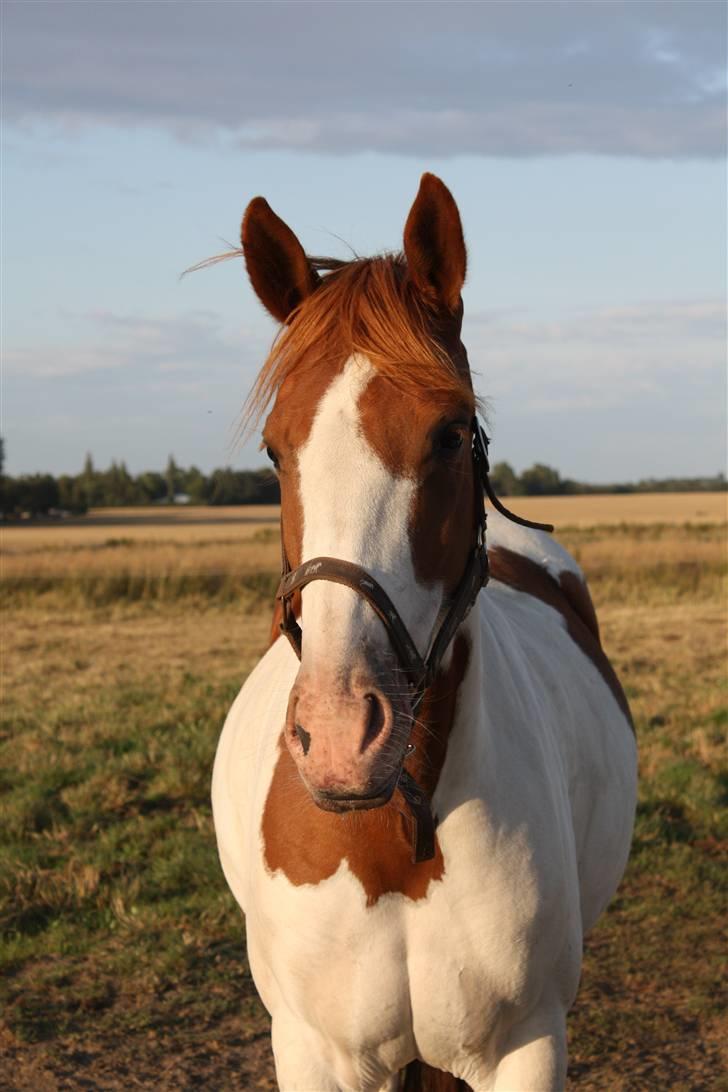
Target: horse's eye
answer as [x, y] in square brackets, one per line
[272, 456]
[450, 439]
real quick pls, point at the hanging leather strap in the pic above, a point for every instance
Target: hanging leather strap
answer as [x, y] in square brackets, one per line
[481, 444]
[418, 814]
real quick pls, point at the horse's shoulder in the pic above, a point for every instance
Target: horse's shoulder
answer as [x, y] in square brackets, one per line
[534, 562]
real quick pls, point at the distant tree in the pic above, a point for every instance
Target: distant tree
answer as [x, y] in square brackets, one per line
[504, 480]
[91, 484]
[36, 493]
[230, 486]
[541, 480]
[150, 487]
[116, 485]
[569, 486]
[71, 497]
[9, 495]
[195, 484]
[171, 476]
[224, 487]
[7, 490]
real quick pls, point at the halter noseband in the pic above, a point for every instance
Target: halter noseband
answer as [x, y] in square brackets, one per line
[420, 672]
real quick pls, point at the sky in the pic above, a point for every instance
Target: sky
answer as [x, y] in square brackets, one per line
[585, 144]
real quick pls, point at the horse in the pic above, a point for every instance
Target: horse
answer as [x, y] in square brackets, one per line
[424, 793]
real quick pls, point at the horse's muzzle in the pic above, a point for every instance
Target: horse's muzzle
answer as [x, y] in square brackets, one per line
[347, 739]
[341, 804]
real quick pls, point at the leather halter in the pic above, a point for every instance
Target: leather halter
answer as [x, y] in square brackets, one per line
[420, 672]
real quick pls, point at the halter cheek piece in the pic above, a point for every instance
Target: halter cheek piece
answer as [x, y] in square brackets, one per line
[420, 672]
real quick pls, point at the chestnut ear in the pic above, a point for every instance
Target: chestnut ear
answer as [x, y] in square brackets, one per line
[279, 270]
[434, 244]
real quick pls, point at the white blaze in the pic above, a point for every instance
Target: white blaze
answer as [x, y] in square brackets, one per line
[356, 509]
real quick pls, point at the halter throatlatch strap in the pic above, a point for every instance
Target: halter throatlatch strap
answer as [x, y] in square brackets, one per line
[420, 672]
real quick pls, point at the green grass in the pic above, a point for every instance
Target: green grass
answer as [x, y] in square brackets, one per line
[122, 955]
[115, 919]
[108, 849]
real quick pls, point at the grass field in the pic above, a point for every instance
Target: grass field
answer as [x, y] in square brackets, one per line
[123, 644]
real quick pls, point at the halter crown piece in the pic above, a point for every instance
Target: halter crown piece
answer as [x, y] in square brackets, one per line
[420, 672]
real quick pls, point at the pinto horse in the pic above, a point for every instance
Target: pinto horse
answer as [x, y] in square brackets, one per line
[425, 796]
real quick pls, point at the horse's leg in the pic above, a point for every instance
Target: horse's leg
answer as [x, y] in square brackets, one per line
[299, 1065]
[534, 1054]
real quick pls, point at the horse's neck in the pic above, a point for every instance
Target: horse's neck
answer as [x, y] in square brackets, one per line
[447, 706]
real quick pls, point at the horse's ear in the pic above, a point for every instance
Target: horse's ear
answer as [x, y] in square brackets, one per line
[434, 244]
[279, 270]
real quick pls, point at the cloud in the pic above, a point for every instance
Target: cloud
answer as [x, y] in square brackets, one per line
[602, 393]
[431, 78]
[166, 346]
[130, 386]
[601, 358]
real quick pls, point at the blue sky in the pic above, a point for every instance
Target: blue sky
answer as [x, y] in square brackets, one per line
[584, 143]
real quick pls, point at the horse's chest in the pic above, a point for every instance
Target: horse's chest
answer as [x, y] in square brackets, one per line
[393, 970]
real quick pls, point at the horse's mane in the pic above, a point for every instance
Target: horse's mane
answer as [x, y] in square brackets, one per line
[367, 306]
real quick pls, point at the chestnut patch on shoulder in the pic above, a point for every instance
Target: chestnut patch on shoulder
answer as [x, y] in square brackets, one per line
[570, 597]
[308, 844]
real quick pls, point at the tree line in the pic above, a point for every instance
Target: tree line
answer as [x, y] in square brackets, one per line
[43, 494]
[541, 480]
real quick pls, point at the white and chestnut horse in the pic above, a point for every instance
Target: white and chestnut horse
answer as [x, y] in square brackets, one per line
[424, 797]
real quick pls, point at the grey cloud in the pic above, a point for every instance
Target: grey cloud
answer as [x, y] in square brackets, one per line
[600, 358]
[606, 394]
[601, 393]
[134, 387]
[193, 343]
[644, 79]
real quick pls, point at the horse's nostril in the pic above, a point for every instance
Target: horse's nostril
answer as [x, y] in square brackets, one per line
[304, 736]
[376, 721]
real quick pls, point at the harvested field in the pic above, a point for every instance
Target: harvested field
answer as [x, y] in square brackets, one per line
[174, 552]
[628, 508]
[122, 953]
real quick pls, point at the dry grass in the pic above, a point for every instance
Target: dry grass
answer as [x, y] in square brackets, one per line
[629, 508]
[186, 552]
[173, 552]
[201, 523]
[122, 954]
[101, 525]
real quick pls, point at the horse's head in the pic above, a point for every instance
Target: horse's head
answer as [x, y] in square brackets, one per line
[370, 433]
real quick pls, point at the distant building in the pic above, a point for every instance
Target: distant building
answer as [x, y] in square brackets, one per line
[179, 498]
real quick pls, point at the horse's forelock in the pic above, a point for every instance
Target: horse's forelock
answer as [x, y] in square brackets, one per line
[367, 306]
